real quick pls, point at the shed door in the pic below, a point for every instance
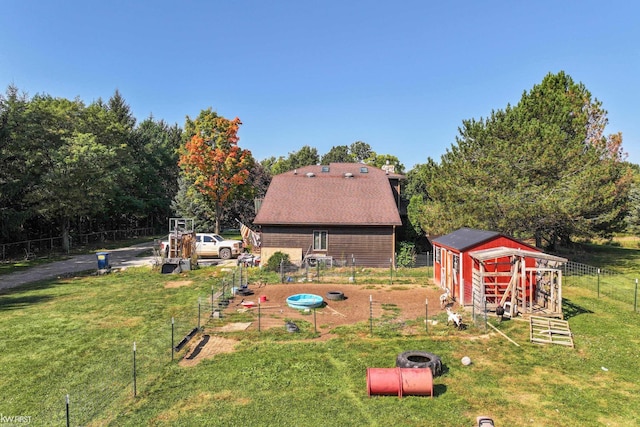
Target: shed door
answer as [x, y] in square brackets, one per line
[448, 278]
[443, 269]
[451, 279]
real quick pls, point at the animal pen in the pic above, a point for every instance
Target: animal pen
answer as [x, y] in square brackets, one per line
[520, 281]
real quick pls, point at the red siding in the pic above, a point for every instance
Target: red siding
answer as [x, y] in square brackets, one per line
[466, 283]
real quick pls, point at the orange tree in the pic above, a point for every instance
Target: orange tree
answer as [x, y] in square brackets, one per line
[212, 161]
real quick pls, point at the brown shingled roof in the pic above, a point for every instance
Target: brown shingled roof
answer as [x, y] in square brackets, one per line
[330, 198]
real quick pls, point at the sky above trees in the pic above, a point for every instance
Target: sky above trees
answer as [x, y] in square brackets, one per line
[401, 79]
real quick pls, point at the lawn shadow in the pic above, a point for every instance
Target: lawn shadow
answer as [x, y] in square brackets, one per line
[439, 390]
[569, 309]
[8, 302]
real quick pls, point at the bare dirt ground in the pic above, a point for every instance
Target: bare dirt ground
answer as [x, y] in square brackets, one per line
[407, 301]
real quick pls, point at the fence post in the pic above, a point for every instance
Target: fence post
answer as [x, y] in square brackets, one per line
[172, 336]
[315, 328]
[635, 298]
[598, 283]
[371, 315]
[473, 305]
[134, 369]
[282, 271]
[67, 407]
[426, 315]
[485, 313]
[353, 268]
[198, 313]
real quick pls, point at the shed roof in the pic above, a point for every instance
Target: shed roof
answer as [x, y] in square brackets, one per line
[465, 238]
[337, 194]
[499, 252]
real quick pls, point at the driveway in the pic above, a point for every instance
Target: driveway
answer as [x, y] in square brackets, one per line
[118, 258]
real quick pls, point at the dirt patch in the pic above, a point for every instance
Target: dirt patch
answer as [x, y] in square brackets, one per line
[407, 302]
[214, 345]
[233, 327]
[178, 284]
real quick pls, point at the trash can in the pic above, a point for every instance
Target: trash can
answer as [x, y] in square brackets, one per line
[103, 261]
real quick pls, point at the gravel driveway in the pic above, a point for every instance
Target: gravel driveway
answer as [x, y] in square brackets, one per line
[118, 258]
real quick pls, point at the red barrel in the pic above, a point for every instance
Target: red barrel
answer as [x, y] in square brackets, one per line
[416, 382]
[385, 381]
[399, 381]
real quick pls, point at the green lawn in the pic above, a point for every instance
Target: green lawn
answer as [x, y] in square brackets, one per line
[75, 337]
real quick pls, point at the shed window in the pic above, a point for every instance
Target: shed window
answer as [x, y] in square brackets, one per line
[320, 240]
[437, 253]
[456, 262]
[325, 169]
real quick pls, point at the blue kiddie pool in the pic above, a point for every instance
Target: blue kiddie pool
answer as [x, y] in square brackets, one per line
[304, 301]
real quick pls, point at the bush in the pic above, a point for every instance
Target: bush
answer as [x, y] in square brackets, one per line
[273, 264]
[406, 255]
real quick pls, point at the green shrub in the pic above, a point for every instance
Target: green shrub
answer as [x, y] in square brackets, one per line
[406, 255]
[274, 261]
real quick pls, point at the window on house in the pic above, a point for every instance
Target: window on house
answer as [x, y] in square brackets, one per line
[325, 169]
[320, 240]
[437, 255]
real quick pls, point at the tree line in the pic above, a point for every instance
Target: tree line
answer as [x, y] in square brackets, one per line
[542, 169]
[69, 167]
[72, 168]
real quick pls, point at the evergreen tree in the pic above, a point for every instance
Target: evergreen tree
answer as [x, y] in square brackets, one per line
[540, 169]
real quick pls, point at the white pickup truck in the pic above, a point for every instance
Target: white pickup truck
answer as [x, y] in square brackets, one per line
[210, 245]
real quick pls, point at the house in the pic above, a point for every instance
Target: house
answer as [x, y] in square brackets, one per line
[487, 268]
[341, 213]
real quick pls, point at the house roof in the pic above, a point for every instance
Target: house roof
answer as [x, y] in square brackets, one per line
[337, 194]
[465, 238]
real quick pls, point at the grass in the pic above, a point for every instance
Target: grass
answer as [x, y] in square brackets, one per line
[75, 336]
[620, 254]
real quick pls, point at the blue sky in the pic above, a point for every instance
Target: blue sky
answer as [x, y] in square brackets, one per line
[400, 76]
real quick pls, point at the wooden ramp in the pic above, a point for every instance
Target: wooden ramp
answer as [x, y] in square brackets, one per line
[544, 330]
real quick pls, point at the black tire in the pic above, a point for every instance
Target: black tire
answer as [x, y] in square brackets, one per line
[225, 253]
[420, 359]
[335, 295]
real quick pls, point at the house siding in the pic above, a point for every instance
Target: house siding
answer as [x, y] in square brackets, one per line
[370, 246]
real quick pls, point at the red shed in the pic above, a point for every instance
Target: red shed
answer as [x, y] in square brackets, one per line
[495, 268]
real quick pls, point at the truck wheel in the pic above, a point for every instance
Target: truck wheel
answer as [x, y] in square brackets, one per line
[420, 359]
[225, 253]
[335, 295]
